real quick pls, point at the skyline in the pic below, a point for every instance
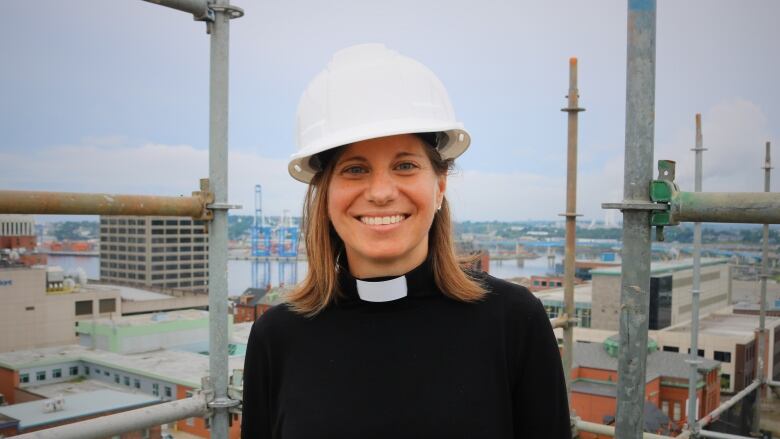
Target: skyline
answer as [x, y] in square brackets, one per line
[93, 104]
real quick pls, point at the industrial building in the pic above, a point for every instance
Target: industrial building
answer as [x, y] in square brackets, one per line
[154, 252]
[160, 357]
[730, 339]
[594, 385]
[670, 292]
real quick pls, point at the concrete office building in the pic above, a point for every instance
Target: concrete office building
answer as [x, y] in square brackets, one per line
[39, 308]
[670, 292]
[154, 252]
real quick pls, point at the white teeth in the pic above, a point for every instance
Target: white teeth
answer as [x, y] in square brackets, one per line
[374, 220]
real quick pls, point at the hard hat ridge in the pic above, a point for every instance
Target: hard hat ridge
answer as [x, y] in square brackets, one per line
[368, 91]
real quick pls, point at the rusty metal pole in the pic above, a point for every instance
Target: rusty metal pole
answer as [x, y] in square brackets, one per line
[72, 203]
[638, 172]
[571, 221]
[761, 363]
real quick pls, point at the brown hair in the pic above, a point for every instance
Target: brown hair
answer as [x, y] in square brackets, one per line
[323, 245]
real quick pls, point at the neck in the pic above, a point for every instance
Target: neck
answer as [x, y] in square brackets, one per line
[363, 268]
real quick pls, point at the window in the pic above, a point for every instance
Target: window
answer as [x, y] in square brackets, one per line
[107, 305]
[665, 407]
[127, 380]
[671, 349]
[137, 383]
[56, 373]
[86, 370]
[156, 389]
[700, 351]
[74, 370]
[83, 307]
[24, 378]
[168, 391]
[676, 415]
[725, 381]
[116, 378]
[107, 373]
[40, 375]
[722, 356]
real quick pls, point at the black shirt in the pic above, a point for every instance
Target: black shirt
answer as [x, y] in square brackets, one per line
[423, 366]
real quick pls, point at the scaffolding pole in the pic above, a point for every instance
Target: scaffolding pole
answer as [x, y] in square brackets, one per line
[219, 29]
[694, 361]
[71, 203]
[706, 420]
[132, 420]
[638, 169]
[760, 364]
[573, 111]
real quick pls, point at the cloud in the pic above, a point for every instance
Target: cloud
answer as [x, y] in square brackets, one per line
[104, 166]
[735, 133]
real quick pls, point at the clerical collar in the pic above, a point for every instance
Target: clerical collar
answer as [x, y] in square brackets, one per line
[419, 282]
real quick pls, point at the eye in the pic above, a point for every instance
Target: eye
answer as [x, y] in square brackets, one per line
[406, 166]
[354, 170]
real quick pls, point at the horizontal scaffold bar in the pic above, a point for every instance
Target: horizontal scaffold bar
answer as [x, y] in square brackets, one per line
[132, 420]
[726, 207]
[70, 203]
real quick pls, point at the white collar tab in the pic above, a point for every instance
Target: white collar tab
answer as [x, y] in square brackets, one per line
[382, 291]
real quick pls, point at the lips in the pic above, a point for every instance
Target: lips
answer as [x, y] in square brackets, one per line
[382, 220]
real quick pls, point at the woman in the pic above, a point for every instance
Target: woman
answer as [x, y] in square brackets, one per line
[388, 336]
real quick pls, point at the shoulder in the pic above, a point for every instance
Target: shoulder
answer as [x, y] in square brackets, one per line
[274, 323]
[514, 297]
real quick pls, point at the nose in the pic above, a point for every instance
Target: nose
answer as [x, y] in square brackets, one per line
[381, 188]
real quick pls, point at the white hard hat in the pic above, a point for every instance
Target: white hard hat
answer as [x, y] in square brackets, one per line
[368, 91]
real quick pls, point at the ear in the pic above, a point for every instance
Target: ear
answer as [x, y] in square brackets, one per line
[441, 183]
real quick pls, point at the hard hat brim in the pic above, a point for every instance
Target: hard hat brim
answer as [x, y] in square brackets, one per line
[301, 168]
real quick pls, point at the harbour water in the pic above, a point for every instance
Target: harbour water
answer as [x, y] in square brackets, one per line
[240, 272]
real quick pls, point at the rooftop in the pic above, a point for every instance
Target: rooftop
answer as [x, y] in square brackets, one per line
[663, 267]
[730, 325]
[583, 293]
[150, 319]
[659, 363]
[130, 294]
[31, 414]
[179, 367]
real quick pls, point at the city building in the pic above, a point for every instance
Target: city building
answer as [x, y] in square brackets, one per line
[18, 241]
[28, 417]
[40, 306]
[553, 301]
[594, 384]
[154, 252]
[670, 292]
[162, 358]
[541, 283]
[255, 301]
[730, 339]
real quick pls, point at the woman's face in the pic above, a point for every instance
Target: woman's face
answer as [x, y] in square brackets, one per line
[382, 197]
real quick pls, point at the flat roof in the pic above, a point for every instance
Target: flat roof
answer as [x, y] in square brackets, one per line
[722, 324]
[241, 332]
[593, 387]
[131, 294]
[178, 367]
[73, 387]
[31, 414]
[661, 267]
[583, 293]
[151, 319]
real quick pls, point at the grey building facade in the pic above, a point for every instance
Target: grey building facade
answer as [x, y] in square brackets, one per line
[161, 253]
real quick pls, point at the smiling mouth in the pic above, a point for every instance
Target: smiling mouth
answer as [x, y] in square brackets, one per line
[382, 220]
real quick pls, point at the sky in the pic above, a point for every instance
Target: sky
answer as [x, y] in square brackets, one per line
[112, 96]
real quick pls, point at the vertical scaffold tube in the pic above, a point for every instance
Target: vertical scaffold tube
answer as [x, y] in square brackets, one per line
[638, 172]
[761, 363]
[571, 220]
[218, 178]
[693, 378]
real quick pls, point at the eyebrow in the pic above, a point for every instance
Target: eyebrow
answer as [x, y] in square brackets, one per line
[360, 158]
